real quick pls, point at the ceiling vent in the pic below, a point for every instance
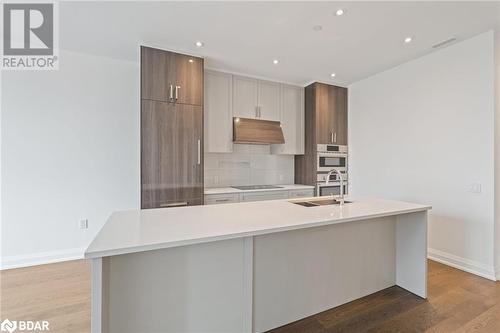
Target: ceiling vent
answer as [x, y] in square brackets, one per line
[443, 43]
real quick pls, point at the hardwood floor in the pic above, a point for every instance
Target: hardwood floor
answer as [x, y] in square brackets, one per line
[458, 302]
[59, 293]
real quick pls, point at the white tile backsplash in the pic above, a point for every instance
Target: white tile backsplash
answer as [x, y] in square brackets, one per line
[248, 165]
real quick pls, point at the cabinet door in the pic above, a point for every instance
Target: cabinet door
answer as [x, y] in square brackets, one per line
[171, 155]
[340, 116]
[262, 196]
[324, 118]
[269, 100]
[292, 121]
[218, 112]
[244, 97]
[188, 85]
[215, 199]
[157, 74]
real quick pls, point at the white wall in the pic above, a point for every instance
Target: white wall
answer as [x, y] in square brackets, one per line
[248, 165]
[497, 150]
[70, 150]
[423, 132]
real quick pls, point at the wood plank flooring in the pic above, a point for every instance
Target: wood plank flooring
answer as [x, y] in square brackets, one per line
[458, 302]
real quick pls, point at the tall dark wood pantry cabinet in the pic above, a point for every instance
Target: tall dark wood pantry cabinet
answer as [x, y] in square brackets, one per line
[325, 123]
[171, 129]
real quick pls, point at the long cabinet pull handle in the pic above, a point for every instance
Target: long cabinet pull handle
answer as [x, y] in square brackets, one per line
[174, 204]
[331, 137]
[335, 137]
[199, 151]
[171, 94]
[177, 92]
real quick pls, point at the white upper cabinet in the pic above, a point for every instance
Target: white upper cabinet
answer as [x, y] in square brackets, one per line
[257, 99]
[245, 92]
[218, 112]
[269, 100]
[228, 96]
[292, 121]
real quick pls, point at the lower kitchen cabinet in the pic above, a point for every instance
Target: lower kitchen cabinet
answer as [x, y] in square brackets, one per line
[213, 199]
[262, 196]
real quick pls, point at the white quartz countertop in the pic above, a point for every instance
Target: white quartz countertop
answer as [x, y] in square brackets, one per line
[228, 190]
[142, 230]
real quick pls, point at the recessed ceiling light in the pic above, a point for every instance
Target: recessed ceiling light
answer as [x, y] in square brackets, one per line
[408, 40]
[339, 12]
[317, 28]
[275, 61]
[199, 44]
[333, 75]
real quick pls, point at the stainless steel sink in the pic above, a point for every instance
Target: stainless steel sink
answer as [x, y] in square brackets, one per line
[319, 202]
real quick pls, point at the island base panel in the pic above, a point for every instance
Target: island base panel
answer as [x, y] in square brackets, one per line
[257, 283]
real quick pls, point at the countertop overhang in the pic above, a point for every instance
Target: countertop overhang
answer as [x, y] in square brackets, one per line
[144, 230]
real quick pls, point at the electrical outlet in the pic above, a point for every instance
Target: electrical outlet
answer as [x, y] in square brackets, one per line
[475, 188]
[84, 224]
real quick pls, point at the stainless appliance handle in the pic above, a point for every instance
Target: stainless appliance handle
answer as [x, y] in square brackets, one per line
[175, 204]
[171, 93]
[199, 151]
[177, 92]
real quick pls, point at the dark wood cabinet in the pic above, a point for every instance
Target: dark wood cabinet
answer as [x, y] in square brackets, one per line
[171, 129]
[171, 77]
[331, 114]
[325, 123]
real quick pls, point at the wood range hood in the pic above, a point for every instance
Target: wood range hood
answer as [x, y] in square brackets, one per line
[257, 131]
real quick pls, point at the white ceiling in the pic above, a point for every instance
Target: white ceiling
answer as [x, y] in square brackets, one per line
[245, 37]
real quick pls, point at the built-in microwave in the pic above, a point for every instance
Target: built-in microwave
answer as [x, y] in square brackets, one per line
[333, 188]
[328, 161]
[331, 157]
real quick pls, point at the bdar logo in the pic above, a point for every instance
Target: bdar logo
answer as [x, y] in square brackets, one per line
[8, 326]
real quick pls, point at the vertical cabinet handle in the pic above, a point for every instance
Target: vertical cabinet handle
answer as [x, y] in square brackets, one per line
[335, 137]
[177, 92]
[199, 151]
[171, 93]
[331, 137]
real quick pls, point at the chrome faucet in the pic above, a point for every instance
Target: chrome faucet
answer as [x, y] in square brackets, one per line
[341, 178]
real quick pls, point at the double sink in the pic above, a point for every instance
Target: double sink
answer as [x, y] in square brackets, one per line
[319, 202]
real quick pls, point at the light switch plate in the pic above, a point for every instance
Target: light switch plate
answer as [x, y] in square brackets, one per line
[84, 224]
[475, 188]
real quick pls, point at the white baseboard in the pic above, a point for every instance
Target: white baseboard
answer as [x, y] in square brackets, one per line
[40, 258]
[463, 264]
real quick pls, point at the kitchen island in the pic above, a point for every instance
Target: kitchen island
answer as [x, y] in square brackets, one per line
[250, 267]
